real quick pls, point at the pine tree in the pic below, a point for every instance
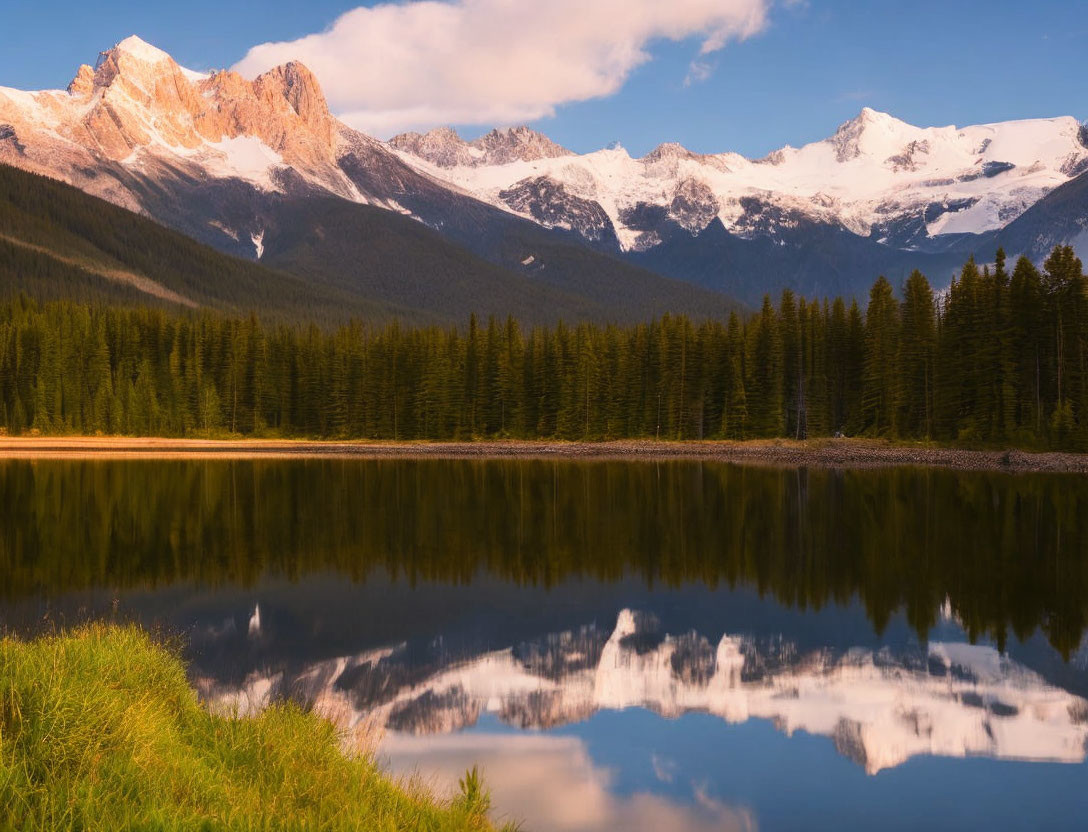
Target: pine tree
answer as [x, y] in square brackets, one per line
[735, 412]
[1064, 287]
[789, 328]
[854, 364]
[881, 350]
[917, 349]
[763, 381]
[817, 389]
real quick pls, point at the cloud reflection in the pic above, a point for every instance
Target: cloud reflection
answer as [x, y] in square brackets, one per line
[553, 780]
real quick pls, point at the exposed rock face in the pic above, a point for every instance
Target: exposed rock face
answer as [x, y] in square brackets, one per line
[7, 134]
[83, 84]
[669, 150]
[284, 108]
[435, 713]
[694, 660]
[138, 101]
[652, 225]
[553, 206]
[445, 149]
[908, 158]
[441, 146]
[1074, 166]
[674, 161]
[517, 144]
[693, 205]
[761, 217]
[137, 96]
[775, 157]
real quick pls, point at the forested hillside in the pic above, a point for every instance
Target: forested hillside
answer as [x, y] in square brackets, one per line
[1002, 358]
[56, 242]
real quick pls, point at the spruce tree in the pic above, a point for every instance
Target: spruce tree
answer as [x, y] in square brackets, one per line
[763, 380]
[917, 349]
[879, 381]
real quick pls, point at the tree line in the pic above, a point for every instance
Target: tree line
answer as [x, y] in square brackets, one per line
[999, 357]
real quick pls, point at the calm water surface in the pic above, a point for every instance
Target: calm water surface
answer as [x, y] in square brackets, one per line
[637, 646]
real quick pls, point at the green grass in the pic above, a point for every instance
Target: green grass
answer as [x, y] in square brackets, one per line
[99, 730]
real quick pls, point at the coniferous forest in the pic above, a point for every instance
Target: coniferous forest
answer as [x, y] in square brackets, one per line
[1002, 357]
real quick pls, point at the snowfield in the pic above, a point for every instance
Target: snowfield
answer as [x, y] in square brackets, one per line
[875, 169]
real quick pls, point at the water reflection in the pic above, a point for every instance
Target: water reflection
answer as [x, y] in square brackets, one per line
[1009, 553]
[621, 646]
[687, 708]
[554, 781]
[879, 708]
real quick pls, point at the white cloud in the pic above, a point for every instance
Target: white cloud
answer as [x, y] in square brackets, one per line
[664, 768]
[416, 65]
[698, 71]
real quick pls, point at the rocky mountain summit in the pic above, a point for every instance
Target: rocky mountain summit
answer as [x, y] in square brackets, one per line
[138, 109]
[444, 148]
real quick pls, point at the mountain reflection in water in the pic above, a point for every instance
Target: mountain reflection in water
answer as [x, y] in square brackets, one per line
[620, 645]
[879, 707]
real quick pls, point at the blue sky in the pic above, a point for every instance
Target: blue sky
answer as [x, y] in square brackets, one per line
[811, 65]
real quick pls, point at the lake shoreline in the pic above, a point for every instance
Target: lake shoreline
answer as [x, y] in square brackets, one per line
[820, 453]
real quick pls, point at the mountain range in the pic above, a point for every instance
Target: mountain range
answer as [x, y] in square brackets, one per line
[514, 223]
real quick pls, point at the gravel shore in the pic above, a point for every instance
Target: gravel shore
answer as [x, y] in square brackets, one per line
[826, 453]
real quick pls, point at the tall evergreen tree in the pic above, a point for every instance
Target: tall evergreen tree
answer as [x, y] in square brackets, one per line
[917, 350]
[879, 381]
[763, 379]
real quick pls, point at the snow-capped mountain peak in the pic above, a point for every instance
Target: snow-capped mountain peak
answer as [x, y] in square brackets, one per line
[669, 150]
[140, 110]
[520, 144]
[872, 133]
[132, 61]
[141, 50]
[876, 176]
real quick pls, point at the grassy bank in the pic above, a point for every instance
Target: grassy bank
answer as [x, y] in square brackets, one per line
[99, 730]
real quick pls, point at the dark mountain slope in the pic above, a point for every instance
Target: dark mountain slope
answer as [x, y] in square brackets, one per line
[814, 260]
[325, 258]
[370, 251]
[387, 256]
[57, 242]
[1059, 218]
